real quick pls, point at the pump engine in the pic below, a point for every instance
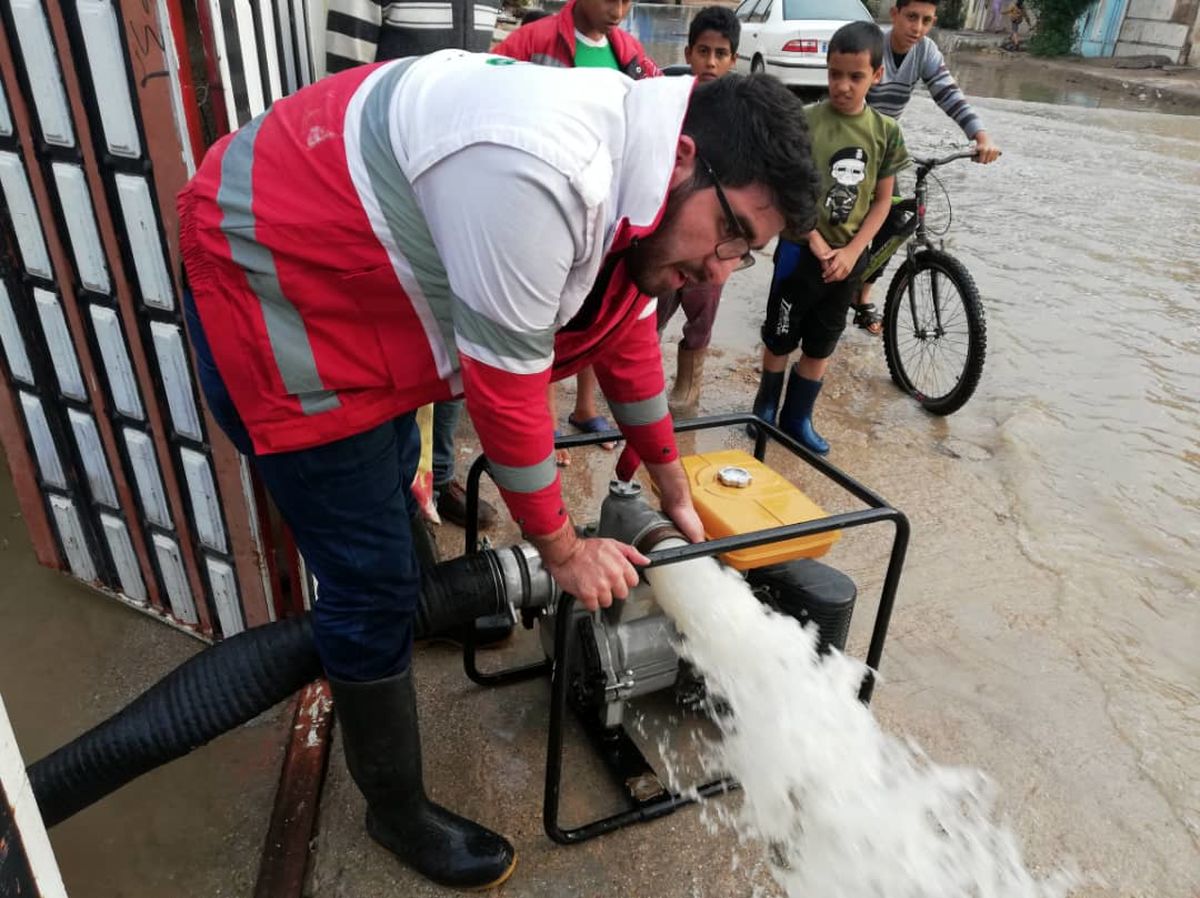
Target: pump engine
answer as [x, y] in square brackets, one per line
[628, 649]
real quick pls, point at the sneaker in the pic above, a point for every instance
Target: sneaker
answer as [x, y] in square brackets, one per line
[452, 506]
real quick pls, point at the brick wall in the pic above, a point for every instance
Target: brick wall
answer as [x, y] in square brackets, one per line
[1159, 27]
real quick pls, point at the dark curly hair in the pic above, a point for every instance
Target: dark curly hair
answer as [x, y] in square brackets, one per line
[719, 19]
[751, 130]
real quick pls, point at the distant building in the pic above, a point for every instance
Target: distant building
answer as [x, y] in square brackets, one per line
[1167, 28]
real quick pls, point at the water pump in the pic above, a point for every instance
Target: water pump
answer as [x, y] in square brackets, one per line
[628, 649]
[756, 522]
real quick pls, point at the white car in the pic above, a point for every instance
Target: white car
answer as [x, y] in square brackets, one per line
[790, 38]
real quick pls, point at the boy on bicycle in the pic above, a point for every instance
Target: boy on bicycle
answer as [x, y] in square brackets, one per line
[857, 152]
[911, 56]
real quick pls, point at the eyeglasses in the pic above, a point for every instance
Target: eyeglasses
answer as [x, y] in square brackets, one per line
[737, 246]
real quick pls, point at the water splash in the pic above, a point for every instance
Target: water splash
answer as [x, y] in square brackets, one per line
[846, 810]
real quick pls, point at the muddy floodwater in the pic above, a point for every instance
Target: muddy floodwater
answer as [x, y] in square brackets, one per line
[1048, 619]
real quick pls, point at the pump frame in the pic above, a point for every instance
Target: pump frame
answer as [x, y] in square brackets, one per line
[634, 774]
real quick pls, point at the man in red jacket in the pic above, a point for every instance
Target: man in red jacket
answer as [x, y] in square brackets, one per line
[585, 33]
[459, 224]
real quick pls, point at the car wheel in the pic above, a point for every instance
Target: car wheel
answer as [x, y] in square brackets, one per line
[757, 67]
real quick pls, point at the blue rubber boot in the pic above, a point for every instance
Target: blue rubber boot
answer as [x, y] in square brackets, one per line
[766, 403]
[796, 418]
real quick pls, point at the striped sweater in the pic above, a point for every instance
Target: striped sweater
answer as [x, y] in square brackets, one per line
[362, 31]
[924, 62]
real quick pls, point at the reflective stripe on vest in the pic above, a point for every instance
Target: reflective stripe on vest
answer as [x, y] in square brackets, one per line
[641, 413]
[400, 226]
[285, 328]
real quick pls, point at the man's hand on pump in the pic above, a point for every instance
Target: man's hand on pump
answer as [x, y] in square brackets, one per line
[595, 571]
[675, 498]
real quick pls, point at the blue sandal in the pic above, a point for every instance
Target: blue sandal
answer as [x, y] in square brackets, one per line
[598, 424]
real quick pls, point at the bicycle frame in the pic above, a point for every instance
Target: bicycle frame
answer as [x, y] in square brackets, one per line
[914, 233]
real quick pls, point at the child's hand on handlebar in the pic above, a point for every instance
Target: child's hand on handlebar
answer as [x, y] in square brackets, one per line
[985, 151]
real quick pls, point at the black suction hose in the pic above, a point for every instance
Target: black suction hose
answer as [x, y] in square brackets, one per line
[214, 691]
[230, 683]
[456, 592]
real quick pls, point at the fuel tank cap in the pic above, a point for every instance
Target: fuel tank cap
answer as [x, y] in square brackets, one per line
[735, 476]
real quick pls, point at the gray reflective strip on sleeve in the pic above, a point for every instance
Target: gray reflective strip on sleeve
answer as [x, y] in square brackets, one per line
[285, 328]
[647, 411]
[546, 59]
[504, 342]
[396, 200]
[525, 479]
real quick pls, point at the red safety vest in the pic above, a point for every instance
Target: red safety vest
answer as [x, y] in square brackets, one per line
[317, 338]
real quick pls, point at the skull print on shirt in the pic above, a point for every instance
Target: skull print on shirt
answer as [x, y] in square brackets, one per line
[848, 168]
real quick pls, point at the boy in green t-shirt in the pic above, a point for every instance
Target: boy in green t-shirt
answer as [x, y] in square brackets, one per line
[857, 152]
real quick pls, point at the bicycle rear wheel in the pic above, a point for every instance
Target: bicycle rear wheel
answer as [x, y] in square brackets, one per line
[935, 336]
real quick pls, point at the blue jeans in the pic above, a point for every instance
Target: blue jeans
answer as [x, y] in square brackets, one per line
[445, 423]
[349, 506]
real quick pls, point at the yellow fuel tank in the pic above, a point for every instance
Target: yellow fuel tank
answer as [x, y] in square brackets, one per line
[735, 493]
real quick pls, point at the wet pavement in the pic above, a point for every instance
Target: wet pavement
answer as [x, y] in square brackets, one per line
[1045, 629]
[1093, 83]
[70, 658]
[1047, 617]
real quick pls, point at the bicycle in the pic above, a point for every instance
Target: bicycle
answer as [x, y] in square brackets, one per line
[944, 324]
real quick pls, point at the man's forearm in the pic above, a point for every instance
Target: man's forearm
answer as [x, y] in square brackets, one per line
[671, 480]
[558, 547]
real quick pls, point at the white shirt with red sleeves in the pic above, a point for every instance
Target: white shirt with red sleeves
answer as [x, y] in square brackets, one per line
[406, 232]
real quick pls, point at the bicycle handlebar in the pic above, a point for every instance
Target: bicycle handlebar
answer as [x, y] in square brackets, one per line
[968, 153]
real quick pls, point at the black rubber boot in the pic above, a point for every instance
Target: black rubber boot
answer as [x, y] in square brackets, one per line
[766, 402]
[383, 751]
[796, 418]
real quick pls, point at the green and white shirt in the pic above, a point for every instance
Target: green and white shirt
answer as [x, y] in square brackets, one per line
[852, 153]
[591, 54]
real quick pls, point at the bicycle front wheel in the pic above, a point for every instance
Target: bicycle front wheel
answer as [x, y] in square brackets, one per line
[934, 332]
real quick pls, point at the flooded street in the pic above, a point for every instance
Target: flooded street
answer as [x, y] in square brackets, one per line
[1048, 619]
[1049, 615]
[1050, 611]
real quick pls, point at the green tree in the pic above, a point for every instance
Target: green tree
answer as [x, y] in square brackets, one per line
[950, 14]
[1054, 33]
